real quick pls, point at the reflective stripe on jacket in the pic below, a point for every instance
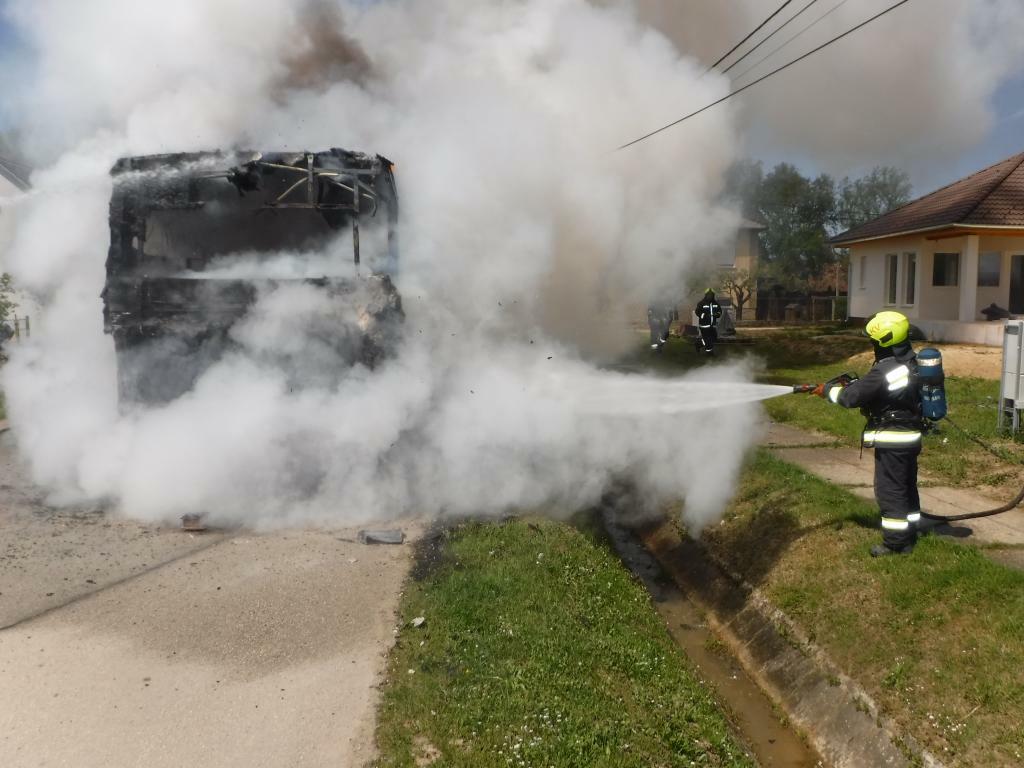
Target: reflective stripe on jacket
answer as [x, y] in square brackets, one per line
[708, 313]
[891, 437]
[889, 398]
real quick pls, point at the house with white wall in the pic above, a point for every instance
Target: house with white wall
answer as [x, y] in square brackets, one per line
[943, 258]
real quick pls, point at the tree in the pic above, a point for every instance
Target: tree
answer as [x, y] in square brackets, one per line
[870, 196]
[743, 182]
[799, 214]
[7, 306]
[8, 303]
[740, 284]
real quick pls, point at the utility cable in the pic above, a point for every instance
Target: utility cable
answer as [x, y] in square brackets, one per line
[732, 50]
[768, 37]
[764, 77]
[814, 23]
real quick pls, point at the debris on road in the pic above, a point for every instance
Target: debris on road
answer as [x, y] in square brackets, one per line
[192, 522]
[392, 536]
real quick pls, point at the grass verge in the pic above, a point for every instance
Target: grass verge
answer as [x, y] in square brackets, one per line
[937, 638]
[540, 649]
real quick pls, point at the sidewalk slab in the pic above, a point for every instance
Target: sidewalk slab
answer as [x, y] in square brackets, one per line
[263, 650]
[846, 467]
[785, 436]
[123, 644]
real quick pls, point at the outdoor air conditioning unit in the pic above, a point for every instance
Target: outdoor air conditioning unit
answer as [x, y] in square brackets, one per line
[1011, 382]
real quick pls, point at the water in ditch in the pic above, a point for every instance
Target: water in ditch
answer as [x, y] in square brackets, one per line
[772, 741]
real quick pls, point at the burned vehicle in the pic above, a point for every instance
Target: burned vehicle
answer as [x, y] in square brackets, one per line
[198, 240]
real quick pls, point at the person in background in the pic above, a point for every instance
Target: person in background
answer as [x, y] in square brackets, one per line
[659, 320]
[708, 313]
[890, 398]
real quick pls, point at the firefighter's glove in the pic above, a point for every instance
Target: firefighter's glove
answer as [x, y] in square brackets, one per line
[831, 389]
[819, 390]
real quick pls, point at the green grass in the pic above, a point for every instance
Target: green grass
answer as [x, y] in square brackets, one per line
[937, 637]
[539, 649]
[772, 350]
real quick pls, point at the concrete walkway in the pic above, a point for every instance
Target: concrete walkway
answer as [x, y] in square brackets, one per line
[823, 456]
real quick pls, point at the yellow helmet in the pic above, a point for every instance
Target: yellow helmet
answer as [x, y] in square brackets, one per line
[888, 328]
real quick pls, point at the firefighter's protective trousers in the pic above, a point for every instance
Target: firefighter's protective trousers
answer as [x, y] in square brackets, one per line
[706, 338]
[896, 493]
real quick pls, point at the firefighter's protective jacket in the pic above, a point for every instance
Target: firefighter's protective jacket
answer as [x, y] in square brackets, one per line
[708, 312]
[889, 396]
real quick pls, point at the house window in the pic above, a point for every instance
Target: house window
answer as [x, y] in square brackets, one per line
[989, 267]
[946, 269]
[891, 272]
[909, 278]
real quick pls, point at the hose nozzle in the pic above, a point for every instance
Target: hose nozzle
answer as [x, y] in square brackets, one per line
[800, 389]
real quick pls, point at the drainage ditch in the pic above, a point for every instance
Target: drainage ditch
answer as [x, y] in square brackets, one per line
[760, 723]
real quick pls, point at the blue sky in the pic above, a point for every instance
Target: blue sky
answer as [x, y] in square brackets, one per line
[9, 45]
[8, 37]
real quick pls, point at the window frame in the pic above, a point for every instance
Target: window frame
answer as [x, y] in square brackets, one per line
[909, 278]
[891, 277]
[999, 269]
[935, 264]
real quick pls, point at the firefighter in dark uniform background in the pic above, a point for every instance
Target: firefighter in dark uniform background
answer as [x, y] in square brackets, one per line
[659, 320]
[708, 312]
[889, 397]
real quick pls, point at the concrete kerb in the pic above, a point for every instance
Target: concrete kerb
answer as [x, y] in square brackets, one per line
[838, 716]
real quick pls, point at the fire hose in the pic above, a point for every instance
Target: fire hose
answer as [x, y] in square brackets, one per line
[988, 512]
[808, 388]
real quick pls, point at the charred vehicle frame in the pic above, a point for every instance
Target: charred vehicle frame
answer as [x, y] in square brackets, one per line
[174, 218]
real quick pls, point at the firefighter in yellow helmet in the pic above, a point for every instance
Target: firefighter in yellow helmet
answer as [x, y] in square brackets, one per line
[889, 397]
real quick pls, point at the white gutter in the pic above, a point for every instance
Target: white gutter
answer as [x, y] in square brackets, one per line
[904, 233]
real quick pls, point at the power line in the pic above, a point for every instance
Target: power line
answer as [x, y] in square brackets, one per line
[774, 32]
[741, 42]
[765, 77]
[814, 23]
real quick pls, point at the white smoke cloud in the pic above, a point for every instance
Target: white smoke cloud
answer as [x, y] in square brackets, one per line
[524, 244]
[912, 89]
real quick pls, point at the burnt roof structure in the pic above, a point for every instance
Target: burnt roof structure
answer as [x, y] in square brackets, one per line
[991, 199]
[193, 242]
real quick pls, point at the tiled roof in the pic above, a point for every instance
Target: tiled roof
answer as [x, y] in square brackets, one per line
[12, 166]
[993, 197]
[14, 172]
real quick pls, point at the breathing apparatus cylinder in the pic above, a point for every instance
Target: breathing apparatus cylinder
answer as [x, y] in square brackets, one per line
[933, 384]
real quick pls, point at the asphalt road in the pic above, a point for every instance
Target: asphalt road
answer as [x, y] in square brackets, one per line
[129, 645]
